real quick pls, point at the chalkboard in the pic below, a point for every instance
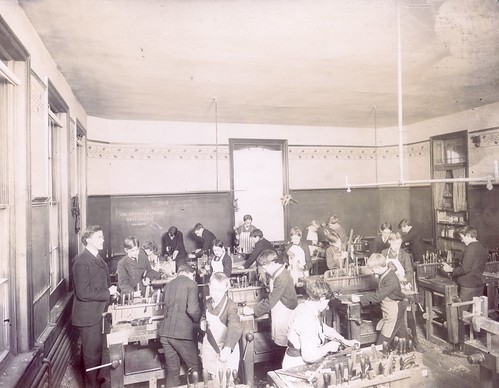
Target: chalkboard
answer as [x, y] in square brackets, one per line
[364, 209]
[421, 212]
[148, 217]
[484, 214]
[357, 210]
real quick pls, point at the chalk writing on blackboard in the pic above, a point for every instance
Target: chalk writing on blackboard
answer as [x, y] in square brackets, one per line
[140, 218]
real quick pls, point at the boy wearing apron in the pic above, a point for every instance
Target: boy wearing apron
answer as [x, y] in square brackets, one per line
[222, 328]
[282, 298]
[391, 298]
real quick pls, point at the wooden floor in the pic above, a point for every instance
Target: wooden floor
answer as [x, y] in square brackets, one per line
[446, 370]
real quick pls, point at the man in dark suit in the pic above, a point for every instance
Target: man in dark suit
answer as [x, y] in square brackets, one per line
[93, 289]
[173, 245]
[261, 244]
[182, 314]
[205, 237]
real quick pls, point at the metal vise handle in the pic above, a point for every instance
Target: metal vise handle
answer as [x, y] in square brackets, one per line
[114, 364]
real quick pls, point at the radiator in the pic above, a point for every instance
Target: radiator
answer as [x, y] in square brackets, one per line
[53, 366]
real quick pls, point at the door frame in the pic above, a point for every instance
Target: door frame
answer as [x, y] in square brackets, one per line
[271, 144]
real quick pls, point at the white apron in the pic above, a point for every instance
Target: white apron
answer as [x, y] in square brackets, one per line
[211, 362]
[217, 266]
[280, 317]
[389, 308]
[297, 262]
[245, 241]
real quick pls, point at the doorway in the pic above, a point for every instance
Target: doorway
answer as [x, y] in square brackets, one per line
[259, 179]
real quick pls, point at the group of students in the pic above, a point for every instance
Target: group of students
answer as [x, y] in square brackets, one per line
[295, 327]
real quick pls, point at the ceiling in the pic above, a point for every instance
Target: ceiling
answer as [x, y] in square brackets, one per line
[291, 62]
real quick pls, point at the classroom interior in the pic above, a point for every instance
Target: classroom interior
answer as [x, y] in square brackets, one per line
[142, 115]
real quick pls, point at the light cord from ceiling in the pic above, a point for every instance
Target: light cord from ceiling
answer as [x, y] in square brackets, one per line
[215, 103]
[375, 109]
[399, 92]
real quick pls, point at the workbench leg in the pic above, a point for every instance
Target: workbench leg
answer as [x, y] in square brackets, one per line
[153, 383]
[488, 378]
[354, 322]
[247, 370]
[429, 313]
[117, 375]
[455, 326]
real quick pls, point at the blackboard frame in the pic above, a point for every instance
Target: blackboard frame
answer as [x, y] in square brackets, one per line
[149, 217]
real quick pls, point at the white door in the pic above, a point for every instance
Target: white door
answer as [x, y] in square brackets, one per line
[259, 183]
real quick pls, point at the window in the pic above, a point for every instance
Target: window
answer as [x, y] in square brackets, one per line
[54, 184]
[5, 213]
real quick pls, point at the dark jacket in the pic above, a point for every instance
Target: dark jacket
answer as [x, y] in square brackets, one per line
[413, 241]
[130, 273]
[284, 291]
[379, 246]
[226, 263]
[229, 317]
[176, 244]
[469, 272]
[404, 258]
[205, 241]
[91, 284]
[388, 287]
[182, 311]
[261, 245]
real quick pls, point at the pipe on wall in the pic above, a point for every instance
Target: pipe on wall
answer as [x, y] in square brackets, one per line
[54, 365]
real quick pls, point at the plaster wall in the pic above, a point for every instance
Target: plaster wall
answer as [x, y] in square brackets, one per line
[181, 157]
[41, 61]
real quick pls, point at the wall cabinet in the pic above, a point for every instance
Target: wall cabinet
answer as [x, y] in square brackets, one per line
[449, 158]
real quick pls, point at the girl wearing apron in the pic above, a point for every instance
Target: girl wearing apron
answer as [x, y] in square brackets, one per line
[222, 328]
[246, 243]
[308, 337]
[298, 254]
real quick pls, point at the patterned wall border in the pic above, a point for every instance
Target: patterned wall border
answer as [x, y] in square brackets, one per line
[357, 153]
[151, 152]
[98, 150]
[488, 137]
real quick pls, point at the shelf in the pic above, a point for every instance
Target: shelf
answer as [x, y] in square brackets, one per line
[449, 238]
[451, 210]
[449, 162]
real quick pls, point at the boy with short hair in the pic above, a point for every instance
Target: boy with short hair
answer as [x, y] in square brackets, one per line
[390, 297]
[261, 244]
[222, 326]
[177, 329]
[282, 299]
[132, 267]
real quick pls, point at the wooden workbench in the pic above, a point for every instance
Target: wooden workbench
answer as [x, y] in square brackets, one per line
[350, 322]
[491, 280]
[297, 377]
[441, 318]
